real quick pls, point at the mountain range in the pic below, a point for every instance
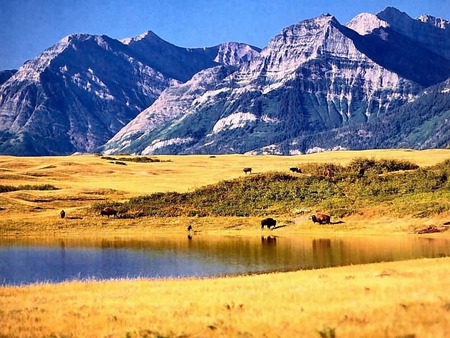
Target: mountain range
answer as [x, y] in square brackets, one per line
[379, 81]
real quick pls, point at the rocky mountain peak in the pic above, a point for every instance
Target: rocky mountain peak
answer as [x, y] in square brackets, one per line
[432, 20]
[300, 43]
[235, 53]
[426, 32]
[149, 36]
[366, 23]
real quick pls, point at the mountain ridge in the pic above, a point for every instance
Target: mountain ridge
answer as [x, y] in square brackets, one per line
[306, 65]
[82, 90]
[314, 83]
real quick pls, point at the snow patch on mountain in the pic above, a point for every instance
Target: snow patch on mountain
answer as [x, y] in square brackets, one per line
[156, 144]
[233, 121]
[267, 119]
[314, 150]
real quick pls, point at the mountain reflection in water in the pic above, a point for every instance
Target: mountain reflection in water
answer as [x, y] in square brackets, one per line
[25, 261]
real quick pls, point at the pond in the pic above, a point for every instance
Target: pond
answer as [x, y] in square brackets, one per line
[29, 261]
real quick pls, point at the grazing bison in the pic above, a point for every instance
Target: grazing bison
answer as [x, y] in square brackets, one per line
[189, 228]
[361, 172]
[295, 170]
[328, 173]
[321, 218]
[247, 170]
[268, 222]
[62, 214]
[108, 211]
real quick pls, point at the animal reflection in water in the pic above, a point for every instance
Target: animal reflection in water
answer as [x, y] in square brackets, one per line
[322, 253]
[268, 240]
[189, 229]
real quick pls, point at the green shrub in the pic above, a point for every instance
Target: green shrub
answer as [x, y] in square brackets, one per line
[140, 159]
[7, 188]
[380, 166]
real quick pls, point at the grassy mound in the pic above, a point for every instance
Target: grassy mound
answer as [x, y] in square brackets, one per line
[390, 186]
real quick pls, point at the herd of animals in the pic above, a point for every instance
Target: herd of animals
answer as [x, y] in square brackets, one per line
[269, 222]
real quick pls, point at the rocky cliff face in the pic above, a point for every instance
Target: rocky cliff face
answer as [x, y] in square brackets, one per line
[170, 108]
[79, 93]
[430, 32]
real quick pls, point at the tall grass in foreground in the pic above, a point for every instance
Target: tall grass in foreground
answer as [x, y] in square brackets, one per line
[376, 300]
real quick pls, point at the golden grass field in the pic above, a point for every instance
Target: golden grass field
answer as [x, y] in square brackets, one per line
[398, 299]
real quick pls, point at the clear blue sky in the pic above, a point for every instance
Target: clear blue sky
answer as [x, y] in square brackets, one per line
[27, 27]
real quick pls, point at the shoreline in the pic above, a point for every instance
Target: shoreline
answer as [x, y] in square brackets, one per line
[43, 227]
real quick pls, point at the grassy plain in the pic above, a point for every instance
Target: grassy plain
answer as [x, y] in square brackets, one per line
[399, 299]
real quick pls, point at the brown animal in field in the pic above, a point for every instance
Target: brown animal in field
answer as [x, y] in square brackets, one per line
[328, 173]
[108, 211]
[321, 218]
[247, 170]
[268, 222]
[295, 170]
[62, 214]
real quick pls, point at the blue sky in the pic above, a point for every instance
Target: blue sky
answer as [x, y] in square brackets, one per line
[27, 27]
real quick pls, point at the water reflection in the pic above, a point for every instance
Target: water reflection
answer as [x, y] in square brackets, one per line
[29, 261]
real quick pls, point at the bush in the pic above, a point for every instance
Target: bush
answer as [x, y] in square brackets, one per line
[7, 188]
[379, 166]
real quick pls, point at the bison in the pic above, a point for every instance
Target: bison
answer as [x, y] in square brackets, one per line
[295, 170]
[361, 172]
[247, 170]
[268, 222]
[321, 218]
[328, 173]
[108, 211]
[62, 214]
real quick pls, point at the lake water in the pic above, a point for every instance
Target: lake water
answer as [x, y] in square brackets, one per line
[56, 260]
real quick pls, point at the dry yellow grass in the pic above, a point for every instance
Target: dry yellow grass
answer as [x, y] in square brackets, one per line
[399, 299]
[88, 179]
